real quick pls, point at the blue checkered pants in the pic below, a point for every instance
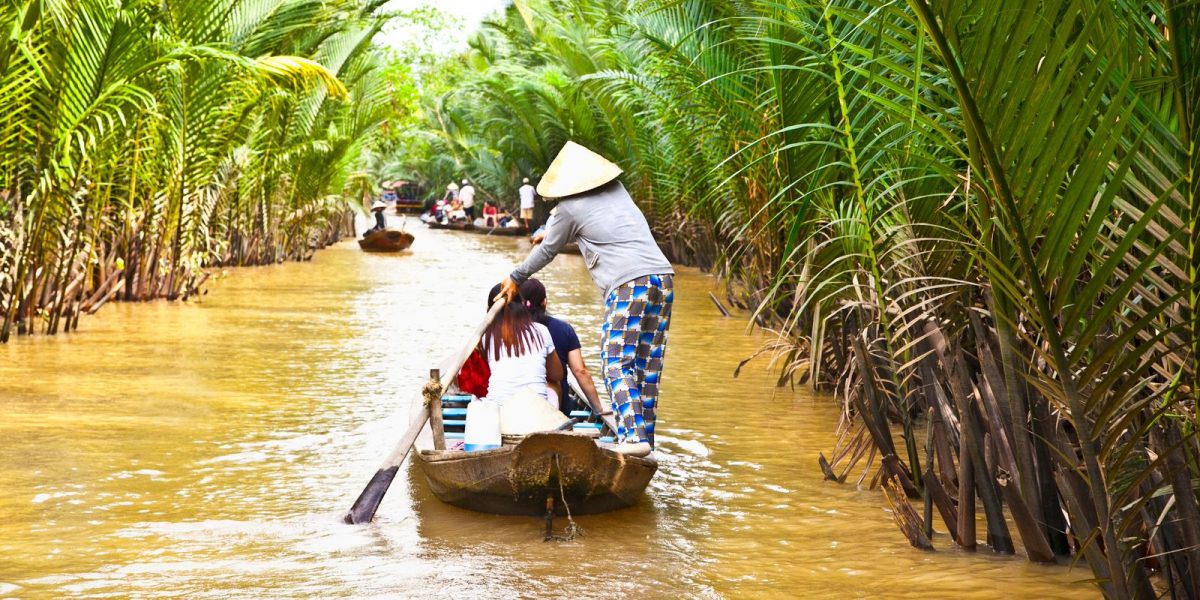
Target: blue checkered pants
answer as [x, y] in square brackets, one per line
[637, 315]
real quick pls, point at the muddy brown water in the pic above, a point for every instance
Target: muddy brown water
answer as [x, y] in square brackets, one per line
[208, 449]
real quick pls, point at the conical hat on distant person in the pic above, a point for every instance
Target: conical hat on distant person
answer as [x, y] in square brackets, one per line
[452, 187]
[376, 205]
[576, 170]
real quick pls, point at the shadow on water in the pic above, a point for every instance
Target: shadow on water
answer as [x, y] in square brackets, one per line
[208, 450]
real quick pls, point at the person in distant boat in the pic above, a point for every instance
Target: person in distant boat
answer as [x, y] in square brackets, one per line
[566, 345]
[520, 354]
[527, 194]
[455, 212]
[491, 214]
[466, 195]
[596, 212]
[389, 193]
[377, 208]
[437, 212]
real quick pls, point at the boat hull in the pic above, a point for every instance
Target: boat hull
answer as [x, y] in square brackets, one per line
[388, 240]
[507, 231]
[518, 479]
[409, 208]
[452, 226]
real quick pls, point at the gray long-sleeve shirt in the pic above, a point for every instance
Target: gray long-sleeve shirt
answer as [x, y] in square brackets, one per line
[612, 234]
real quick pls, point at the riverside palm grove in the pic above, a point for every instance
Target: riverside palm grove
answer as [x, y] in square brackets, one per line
[599, 298]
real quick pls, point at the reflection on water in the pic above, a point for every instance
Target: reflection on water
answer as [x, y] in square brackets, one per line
[208, 449]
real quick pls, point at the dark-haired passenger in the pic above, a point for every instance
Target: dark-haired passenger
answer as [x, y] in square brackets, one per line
[520, 354]
[566, 345]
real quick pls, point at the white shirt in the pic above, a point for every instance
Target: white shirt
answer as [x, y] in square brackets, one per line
[511, 374]
[526, 192]
[467, 196]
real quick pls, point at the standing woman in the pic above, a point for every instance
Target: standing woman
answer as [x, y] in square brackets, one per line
[596, 212]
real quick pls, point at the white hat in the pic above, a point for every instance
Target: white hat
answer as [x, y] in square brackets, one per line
[576, 170]
[526, 180]
[453, 186]
[465, 182]
[378, 204]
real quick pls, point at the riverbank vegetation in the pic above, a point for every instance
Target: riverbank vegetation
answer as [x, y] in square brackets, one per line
[974, 220]
[144, 141]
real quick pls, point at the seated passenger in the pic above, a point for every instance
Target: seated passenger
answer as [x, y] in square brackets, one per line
[520, 355]
[490, 213]
[566, 345]
[456, 211]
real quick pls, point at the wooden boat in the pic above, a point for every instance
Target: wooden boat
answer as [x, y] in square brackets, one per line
[519, 478]
[387, 240]
[457, 226]
[510, 231]
[529, 473]
[408, 206]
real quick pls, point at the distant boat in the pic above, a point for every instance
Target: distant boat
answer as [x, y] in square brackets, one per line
[511, 231]
[456, 226]
[387, 240]
[410, 206]
[405, 197]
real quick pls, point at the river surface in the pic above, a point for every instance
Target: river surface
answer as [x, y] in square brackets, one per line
[208, 449]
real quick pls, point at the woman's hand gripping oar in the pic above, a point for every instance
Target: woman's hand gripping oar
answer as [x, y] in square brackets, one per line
[368, 501]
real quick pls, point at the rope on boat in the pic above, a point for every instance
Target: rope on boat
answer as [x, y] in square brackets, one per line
[431, 391]
[573, 529]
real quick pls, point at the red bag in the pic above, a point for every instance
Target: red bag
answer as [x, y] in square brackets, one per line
[473, 378]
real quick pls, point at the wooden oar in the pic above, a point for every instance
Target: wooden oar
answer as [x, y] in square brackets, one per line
[368, 501]
[599, 410]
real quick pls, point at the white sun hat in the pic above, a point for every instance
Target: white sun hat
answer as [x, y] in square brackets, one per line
[526, 180]
[452, 187]
[378, 204]
[576, 170]
[465, 182]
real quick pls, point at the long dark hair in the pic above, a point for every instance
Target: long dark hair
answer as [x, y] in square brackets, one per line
[534, 294]
[512, 330]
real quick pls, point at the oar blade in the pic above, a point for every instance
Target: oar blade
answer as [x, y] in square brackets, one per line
[368, 501]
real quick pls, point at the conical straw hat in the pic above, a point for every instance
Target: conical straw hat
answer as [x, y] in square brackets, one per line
[576, 170]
